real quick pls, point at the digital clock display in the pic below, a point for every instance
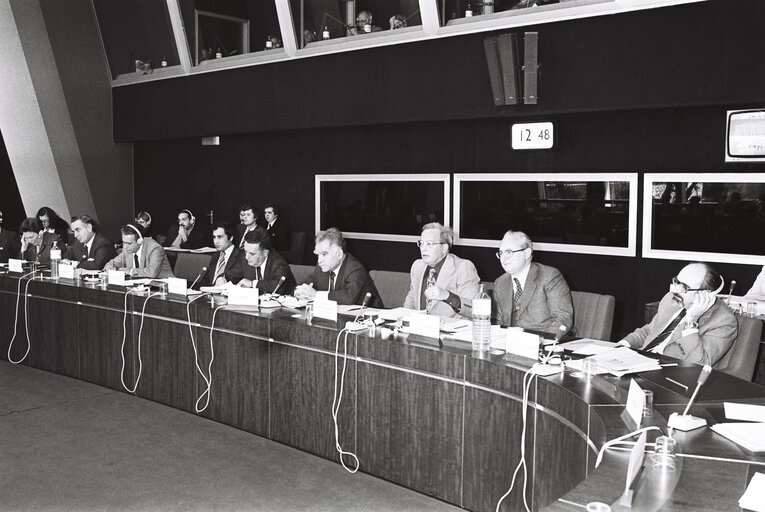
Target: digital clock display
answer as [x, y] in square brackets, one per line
[533, 136]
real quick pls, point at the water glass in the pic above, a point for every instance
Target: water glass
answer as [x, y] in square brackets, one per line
[751, 309]
[648, 405]
[589, 367]
[664, 454]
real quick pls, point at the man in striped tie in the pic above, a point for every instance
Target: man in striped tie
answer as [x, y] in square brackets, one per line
[692, 323]
[529, 294]
[223, 239]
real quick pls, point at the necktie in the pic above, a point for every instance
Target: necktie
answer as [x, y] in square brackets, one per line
[666, 333]
[221, 266]
[332, 281]
[136, 263]
[431, 281]
[516, 303]
[258, 273]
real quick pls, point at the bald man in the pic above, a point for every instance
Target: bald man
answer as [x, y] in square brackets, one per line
[692, 323]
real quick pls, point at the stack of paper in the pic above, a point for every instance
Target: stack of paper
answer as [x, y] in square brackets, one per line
[619, 362]
[754, 497]
[749, 435]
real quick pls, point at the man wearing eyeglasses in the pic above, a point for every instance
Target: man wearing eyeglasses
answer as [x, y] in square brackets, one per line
[441, 283]
[692, 323]
[529, 294]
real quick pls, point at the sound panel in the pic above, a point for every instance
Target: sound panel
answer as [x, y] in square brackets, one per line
[491, 48]
[507, 44]
[530, 68]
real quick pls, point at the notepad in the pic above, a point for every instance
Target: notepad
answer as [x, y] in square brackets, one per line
[749, 435]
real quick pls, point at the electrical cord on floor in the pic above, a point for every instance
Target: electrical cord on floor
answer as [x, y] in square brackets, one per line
[337, 398]
[140, 332]
[26, 317]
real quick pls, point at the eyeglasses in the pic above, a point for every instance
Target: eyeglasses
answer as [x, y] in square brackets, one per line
[422, 243]
[685, 287]
[508, 252]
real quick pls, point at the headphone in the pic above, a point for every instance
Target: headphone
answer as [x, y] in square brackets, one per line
[138, 232]
[191, 215]
[144, 213]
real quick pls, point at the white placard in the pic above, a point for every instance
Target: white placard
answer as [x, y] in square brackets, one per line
[533, 135]
[636, 460]
[326, 309]
[177, 286]
[744, 412]
[238, 296]
[15, 265]
[116, 277]
[66, 270]
[635, 402]
[424, 325]
[524, 344]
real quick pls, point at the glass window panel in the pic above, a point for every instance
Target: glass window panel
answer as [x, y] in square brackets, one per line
[316, 20]
[450, 11]
[137, 35]
[218, 29]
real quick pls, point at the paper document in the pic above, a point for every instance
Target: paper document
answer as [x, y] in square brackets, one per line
[754, 497]
[396, 314]
[621, 361]
[745, 412]
[749, 435]
[588, 346]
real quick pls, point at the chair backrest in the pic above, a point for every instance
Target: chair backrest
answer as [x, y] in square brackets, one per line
[593, 315]
[297, 245]
[188, 265]
[301, 272]
[392, 286]
[741, 358]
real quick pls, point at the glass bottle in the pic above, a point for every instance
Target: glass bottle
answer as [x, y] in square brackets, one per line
[481, 321]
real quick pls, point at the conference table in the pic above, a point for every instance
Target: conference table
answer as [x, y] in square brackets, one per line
[431, 416]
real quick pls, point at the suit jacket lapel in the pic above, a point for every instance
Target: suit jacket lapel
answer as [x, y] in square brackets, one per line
[529, 287]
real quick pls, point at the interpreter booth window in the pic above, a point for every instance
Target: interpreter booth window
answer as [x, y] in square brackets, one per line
[219, 30]
[317, 21]
[708, 217]
[389, 207]
[581, 213]
[137, 36]
[452, 12]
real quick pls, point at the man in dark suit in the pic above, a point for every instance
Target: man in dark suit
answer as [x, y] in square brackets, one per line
[692, 323]
[530, 295]
[228, 254]
[338, 273]
[9, 243]
[184, 235]
[278, 228]
[91, 249]
[260, 266]
[36, 244]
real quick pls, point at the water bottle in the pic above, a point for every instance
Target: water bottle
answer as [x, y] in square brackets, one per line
[469, 11]
[325, 33]
[481, 321]
[55, 257]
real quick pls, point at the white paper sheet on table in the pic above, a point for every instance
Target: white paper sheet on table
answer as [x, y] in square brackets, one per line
[744, 412]
[588, 346]
[754, 497]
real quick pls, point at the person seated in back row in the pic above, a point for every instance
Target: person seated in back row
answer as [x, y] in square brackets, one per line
[441, 283]
[692, 323]
[184, 235]
[338, 273]
[529, 294]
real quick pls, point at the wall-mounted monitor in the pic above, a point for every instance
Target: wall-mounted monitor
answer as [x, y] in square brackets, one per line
[593, 213]
[745, 136]
[389, 207]
[712, 217]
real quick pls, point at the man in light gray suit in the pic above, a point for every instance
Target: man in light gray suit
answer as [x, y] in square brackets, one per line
[441, 283]
[140, 257]
[530, 295]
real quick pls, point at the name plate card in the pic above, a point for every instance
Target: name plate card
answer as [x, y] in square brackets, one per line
[177, 286]
[635, 402]
[425, 325]
[324, 308]
[524, 344]
[15, 265]
[116, 277]
[238, 296]
[66, 270]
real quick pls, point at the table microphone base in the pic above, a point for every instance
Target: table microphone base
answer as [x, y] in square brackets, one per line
[545, 369]
[685, 422]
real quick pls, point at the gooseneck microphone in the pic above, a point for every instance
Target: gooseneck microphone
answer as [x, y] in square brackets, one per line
[685, 422]
[703, 376]
[201, 273]
[364, 305]
[279, 284]
[730, 291]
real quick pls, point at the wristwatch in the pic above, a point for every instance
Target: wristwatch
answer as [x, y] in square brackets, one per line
[691, 324]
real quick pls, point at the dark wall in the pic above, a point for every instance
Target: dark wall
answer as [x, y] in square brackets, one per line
[641, 92]
[10, 199]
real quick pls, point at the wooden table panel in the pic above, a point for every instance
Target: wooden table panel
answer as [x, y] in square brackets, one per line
[100, 342]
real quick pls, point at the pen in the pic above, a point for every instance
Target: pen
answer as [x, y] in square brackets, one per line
[677, 383]
[668, 364]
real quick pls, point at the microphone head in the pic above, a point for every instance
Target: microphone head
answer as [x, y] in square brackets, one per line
[704, 374]
[282, 279]
[367, 299]
[562, 330]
